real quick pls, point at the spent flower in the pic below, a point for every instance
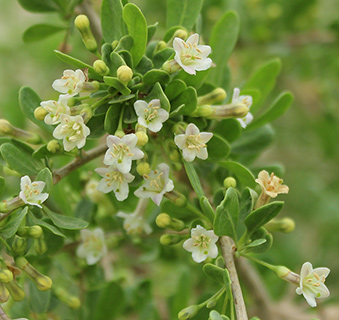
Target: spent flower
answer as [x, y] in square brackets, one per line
[271, 184]
[31, 192]
[71, 82]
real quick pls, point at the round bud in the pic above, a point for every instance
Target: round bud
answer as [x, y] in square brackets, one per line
[40, 113]
[163, 220]
[40, 246]
[34, 232]
[143, 168]
[100, 67]
[170, 239]
[230, 182]
[180, 33]
[54, 146]
[124, 74]
[73, 302]
[161, 45]
[19, 245]
[81, 22]
[142, 138]
[6, 276]
[5, 127]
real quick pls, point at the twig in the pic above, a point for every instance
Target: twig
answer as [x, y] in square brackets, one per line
[227, 248]
[3, 315]
[78, 162]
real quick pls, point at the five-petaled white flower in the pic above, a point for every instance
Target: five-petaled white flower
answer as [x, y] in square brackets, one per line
[191, 56]
[31, 192]
[312, 283]
[271, 185]
[134, 223]
[193, 143]
[202, 244]
[71, 82]
[72, 130]
[55, 109]
[93, 246]
[121, 151]
[242, 100]
[114, 180]
[156, 184]
[150, 115]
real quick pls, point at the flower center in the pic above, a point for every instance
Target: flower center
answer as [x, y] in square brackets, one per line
[119, 151]
[190, 53]
[203, 242]
[155, 181]
[193, 142]
[313, 282]
[150, 113]
[114, 176]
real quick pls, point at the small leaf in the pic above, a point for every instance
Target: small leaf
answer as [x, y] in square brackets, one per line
[262, 215]
[161, 56]
[229, 129]
[2, 186]
[144, 65]
[112, 23]
[244, 176]
[194, 179]
[215, 315]
[256, 243]
[158, 93]
[207, 208]
[116, 62]
[41, 31]
[183, 13]
[112, 118]
[189, 98]
[65, 222]
[137, 29]
[175, 88]
[117, 84]
[214, 272]
[153, 76]
[120, 99]
[247, 201]
[126, 55]
[45, 175]
[46, 225]
[218, 148]
[13, 222]
[260, 234]
[227, 215]
[39, 5]
[151, 31]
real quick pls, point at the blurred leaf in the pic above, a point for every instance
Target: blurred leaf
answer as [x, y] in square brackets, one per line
[194, 179]
[38, 300]
[13, 222]
[214, 272]
[244, 176]
[46, 225]
[153, 76]
[223, 39]
[177, 212]
[84, 209]
[229, 129]
[227, 215]
[39, 32]
[175, 88]
[53, 242]
[29, 101]
[39, 5]
[117, 84]
[65, 222]
[277, 109]
[45, 175]
[264, 81]
[183, 13]
[158, 93]
[112, 118]
[262, 215]
[151, 31]
[215, 315]
[188, 98]
[112, 23]
[2, 186]
[137, 29]
[218, 148]
[96, 125]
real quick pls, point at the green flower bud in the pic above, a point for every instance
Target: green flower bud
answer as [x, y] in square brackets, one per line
[170, 239]
[286, 274]
[91, 86]
[171, 66]
[100, 67]
[163, 220]
[215, 96]
[142, 138]
[19, 246]
[177, 198]
[285, 225]
[189, 312]
[180, 33]
[230, 182]
[71, 301]
[42, 282]
[4, 293]
[34, 232]
[15, 291]
[40, 246]
[227, 112]
[40, 113]
[54, 146]
[124, 74]
[202, 111]
[115, 44]
[6, 276]
[5, 127]
[174, 155]
[86, 113]
[81, 22]
[143, 168]
[161, 45]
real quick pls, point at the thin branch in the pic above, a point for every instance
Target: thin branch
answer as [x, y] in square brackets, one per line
[3, 315]
[78, 162]
[227, 248]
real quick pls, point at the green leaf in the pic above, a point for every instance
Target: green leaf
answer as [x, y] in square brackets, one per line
[277, 109]
[137, 29]
[188, 98]
[13, 222]
[112, 23]
[242, 174]
[96, 125]
[126, 55]
[256, 243]
[207, 208]
[153, 76]
[214, 272]
[161, 56]
[194, 81]
[116, 62]
[20, 160]
[38, 32]
[45, 175]
[253, 141]
[229, 129]
[144, 65]
[227, 215]
[158, 93]
[65, 222]
[223, 39]
[117, 84]
[215, 315]
[247, 201]
[218, 148]
[112, 118]
[175, 88]
[194, 179]
[151, 31]
[46, 225]
[177, 212]
[39, 5]
[262, 215]
[125, 43]
[2, 186]
[258, 236]
[183, 13]
[39, 301]
[106, 50]
[263, 80]
[29, 101]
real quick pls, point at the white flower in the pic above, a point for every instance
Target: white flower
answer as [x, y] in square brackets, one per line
[191, 56]
[114, 180]
[134, 223]
[312, 283]
[193, 143]
[93, 246]
[202, 244]
[150, 115]
[72, 130]
[71, 82]
[55, 109]
[121, 151]
[242, 100]
[156, 184]
[31, 192]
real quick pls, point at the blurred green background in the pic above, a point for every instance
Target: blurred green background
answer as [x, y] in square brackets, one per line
[304, 35]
